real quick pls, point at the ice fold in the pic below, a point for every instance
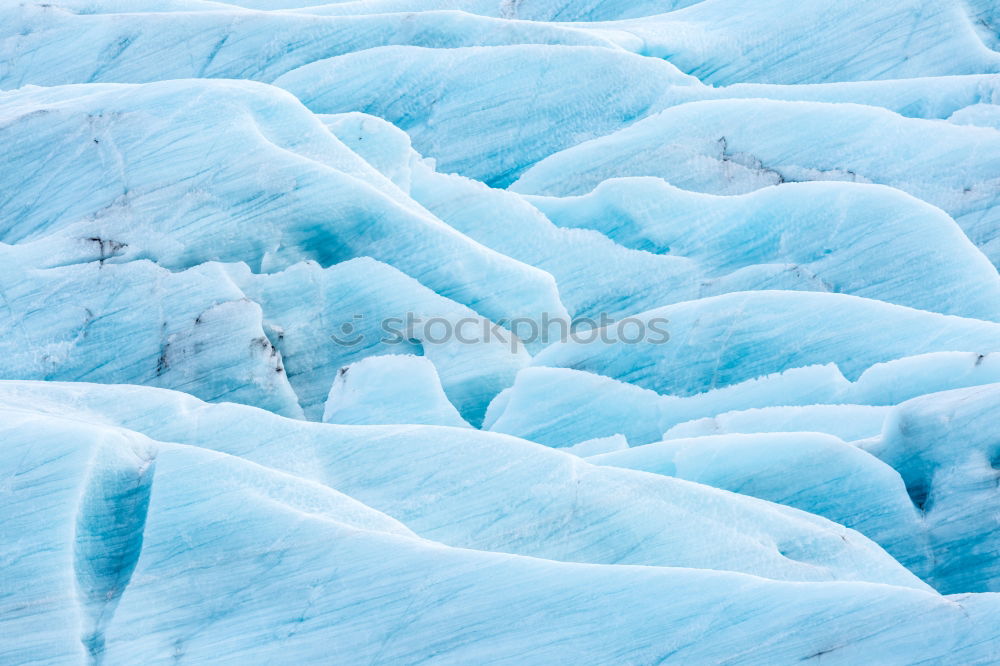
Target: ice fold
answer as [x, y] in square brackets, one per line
[720, 341]
[487, 491]
[243, 244]
[737, 146]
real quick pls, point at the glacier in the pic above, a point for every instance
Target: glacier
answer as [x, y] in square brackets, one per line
[499, 331]
[332, 583]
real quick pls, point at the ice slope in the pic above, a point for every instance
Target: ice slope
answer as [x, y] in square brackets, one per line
[848, 422]
[324, 319]
[814, 472]
[75, 507]
[594, 274]
[213, 454]
[323, 584]
[49, 45]
[390, 389]
[140, 324]
[835, 234]
[536, 10]
[814, 236]
[720, 341]
[896, 381]
[549, 98]
[383, 145]
[81, 41]
[598, 445]
[945, 447]
[204, 334]
[128, 176]
[719, 41]
[947, 465]
[731, 41]
[220, 332]
[492, 492]
[737, 146]
[986, 19]
[981, 115]
[552, 11]
[559, 406]
[918, 97]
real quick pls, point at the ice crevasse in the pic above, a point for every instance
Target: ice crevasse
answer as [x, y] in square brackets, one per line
[495, 331]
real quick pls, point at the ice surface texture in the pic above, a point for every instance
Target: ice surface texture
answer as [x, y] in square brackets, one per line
[222, 443]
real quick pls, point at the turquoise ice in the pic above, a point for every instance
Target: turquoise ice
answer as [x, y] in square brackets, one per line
[499, 331]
